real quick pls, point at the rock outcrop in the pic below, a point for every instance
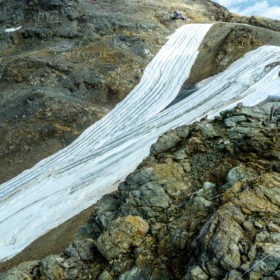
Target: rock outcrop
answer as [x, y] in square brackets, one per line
[65, 64]
[204, 205]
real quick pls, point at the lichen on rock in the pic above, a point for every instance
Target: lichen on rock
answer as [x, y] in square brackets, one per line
[223, 224]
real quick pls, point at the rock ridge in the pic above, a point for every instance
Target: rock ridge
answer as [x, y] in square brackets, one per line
[71, 62]
[204, 205]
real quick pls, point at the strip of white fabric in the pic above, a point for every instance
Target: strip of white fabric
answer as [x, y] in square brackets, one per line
[71, 180]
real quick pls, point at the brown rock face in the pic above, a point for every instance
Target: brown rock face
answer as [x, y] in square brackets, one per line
[121, 235]
[204, 206]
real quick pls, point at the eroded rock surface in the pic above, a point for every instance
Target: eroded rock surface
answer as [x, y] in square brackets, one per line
[67, 63]
[205, 206]
[205, 203]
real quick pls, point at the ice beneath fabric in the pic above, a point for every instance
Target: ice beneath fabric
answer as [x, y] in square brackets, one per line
[71, 180]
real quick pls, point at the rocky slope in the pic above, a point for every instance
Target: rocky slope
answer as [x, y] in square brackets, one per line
[70, 63]
[204, 205]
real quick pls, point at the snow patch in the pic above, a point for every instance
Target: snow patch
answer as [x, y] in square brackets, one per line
[12, 29]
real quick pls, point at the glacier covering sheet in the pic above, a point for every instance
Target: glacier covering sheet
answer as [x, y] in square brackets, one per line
[61, 186]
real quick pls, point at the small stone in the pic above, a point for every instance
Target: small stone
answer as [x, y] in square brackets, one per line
[196, 273]
[249, 227]
[258, 225]
[208, 190]
[165, 142]
[209, 131]
[183, 131]
[255, 275]
[246, 211]
[245, 266]
[51, 268]
[275, 238]
[105, 275]
[273, 228]
[262, 236]
[180, 155]
[233, 275]
[208, 185]
[69, 263]
[240, 172]
[141, 177]
[151, 195]
[233, 121]
[253, 252]
[202, 203]
[81, 249]
[186, 165]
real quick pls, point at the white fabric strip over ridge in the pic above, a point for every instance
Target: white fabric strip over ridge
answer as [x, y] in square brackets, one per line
[68, 182]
